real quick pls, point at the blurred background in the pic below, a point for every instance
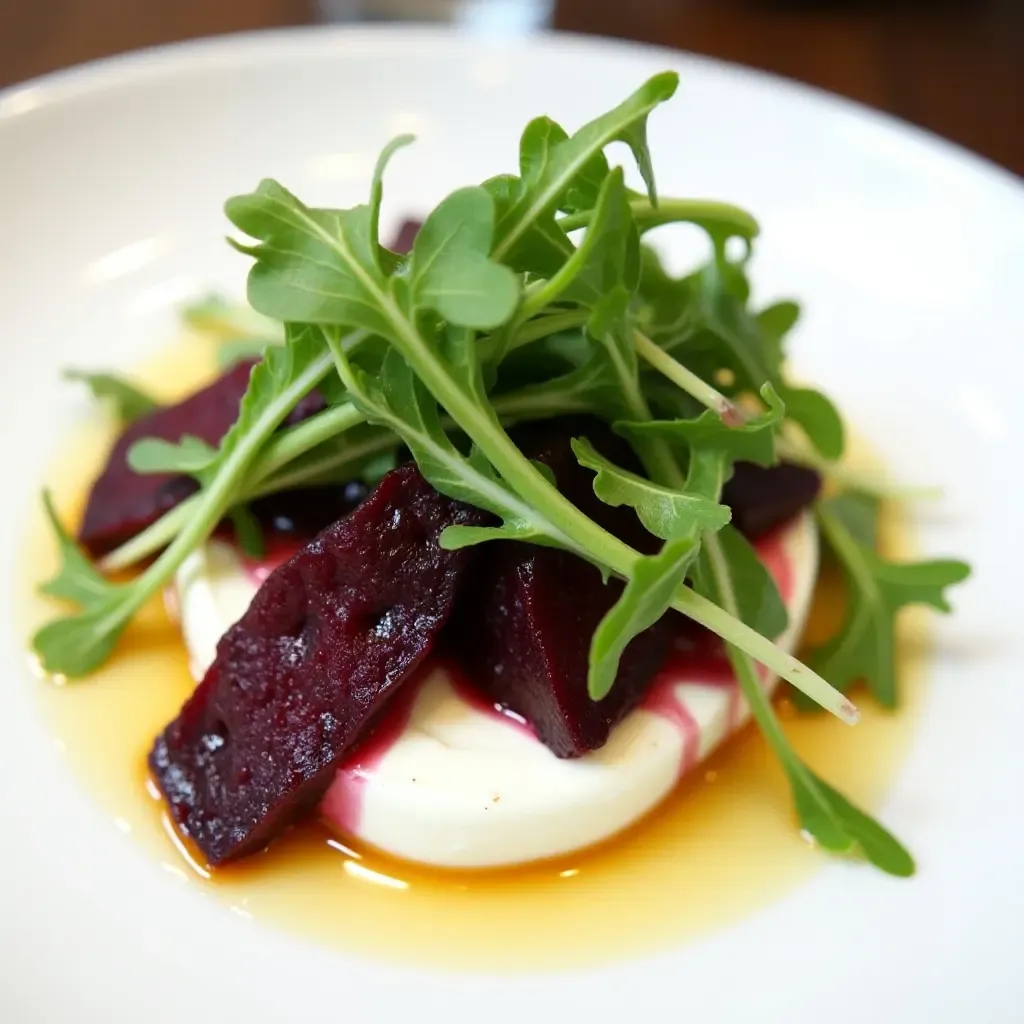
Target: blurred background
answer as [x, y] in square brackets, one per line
[953, 66]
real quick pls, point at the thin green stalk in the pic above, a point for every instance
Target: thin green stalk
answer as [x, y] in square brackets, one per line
[687, 380]
[214, 500]
[677, 211]
[545, 326]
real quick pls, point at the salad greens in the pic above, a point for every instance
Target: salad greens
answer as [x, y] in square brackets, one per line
[129, 400]
[525, 297]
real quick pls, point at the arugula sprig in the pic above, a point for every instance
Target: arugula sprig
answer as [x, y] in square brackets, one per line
[864, 649]
[129, 400]
[76, 644]
[825, 815]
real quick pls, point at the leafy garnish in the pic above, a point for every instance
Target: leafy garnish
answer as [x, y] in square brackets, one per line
[191, 455]
[74, 645]
[825, 815]
[864, 649]
[128, 399]
[666, 512]
[647, 596]
[77, 579]
[752, 440]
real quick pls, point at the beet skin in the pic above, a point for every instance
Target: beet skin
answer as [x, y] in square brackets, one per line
[327, 641]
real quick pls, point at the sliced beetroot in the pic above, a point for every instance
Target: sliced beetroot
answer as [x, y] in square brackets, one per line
[762, 499]
[327, 641]
[122, 502]
[525, 626]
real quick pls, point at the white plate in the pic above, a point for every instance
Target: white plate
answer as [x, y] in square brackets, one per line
[909, 255]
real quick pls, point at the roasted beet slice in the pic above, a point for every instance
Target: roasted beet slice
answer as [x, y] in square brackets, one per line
[762, 499]
[122, 502]
[526, 625]
[327, 641]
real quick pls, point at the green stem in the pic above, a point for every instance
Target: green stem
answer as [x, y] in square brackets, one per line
[217, 498]
[687, 380]
[741, 661]
[545, 326]
[705, 212]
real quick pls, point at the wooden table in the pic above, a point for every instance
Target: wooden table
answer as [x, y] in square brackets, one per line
[953, 66]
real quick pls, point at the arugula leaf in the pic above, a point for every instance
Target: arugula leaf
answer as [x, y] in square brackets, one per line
[450, 271]
[77, 580]
[191, 455]
[667, 513]
[649, 592]
[758, 601]
[752, 441]
[775, 322]
[825, 815]
[527, 205]
[608, 256]
[248, 532]
[130, 401]
[312, 266]
[74, 645]
[818, 418]
[864, 648]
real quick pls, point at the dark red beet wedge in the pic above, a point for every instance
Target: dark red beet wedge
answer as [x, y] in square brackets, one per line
[525, 627]
[122, 502]
[327, 641]
[762, 499]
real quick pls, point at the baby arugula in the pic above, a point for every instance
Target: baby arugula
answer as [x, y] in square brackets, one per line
[128, 399]
[864, 649]
[527, 297]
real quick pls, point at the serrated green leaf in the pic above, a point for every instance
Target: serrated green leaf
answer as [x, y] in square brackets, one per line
[645, 599]
[668, 514]
[129, 400]
[451, 271]
[75, 645]
[530, 204]
[864, 649]
[753, 441]
[77, 579]
[312, 265]
[774, 323]
[609, 256]
[818, 418]
[839, 826]
[825, 815]
[191, 455]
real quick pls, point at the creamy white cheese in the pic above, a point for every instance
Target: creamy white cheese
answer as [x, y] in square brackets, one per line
[455, 784]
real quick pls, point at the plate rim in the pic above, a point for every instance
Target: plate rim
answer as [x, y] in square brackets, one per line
[119, 70]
